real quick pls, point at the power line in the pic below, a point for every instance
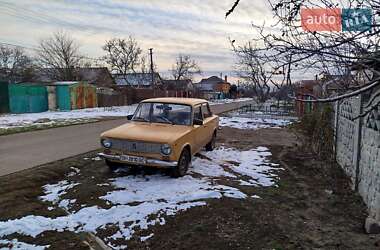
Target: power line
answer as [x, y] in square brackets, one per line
[39, 50]
[34, 16]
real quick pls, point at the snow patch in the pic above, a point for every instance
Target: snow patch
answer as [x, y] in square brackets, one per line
[15, 244]
[252, 123]
[206, 167]
[51, 117]
[53, 192]
[75, 171]
[251, 163]
[138, 202]
[66, 204]
[161, 188]
[145, 238]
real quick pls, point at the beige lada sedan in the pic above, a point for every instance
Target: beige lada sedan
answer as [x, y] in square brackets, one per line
[163, 132]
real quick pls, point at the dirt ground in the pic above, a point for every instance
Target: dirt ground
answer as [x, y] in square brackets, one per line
[312, 206]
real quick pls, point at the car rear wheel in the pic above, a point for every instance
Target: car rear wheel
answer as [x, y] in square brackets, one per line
[113, 166]
[183, 164]
[211, 145]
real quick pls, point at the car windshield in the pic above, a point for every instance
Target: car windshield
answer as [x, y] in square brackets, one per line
[175, 114]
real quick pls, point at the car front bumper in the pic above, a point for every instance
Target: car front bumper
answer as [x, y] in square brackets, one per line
[149, 162]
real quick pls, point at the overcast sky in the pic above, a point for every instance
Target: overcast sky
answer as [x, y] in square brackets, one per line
[195, 27]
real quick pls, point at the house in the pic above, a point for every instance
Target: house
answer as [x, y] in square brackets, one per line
[182, 88]
[180, 85]
[138, 80]
[335, 84]
[306, 90]
[214, 87]
[98, 76]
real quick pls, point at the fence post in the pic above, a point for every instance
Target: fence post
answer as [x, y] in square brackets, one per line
[336, 128]
[358, 140]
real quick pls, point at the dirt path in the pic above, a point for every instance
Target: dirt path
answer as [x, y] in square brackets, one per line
[311, 206]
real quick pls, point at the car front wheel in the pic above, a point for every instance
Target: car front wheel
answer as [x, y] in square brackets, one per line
[211, 145]
[183, 164]
[113, 166]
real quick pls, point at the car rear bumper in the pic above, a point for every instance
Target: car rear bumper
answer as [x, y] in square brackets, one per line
[149, 162]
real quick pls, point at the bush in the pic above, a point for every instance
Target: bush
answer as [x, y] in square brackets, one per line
[319, 128]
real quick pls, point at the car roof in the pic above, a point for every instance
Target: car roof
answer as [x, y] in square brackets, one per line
[177, 100]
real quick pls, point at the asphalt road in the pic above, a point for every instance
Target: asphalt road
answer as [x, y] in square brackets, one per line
[25, 150]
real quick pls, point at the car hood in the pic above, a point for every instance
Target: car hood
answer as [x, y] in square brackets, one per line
[150, 132]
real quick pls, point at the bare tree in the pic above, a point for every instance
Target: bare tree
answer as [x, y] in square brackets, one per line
[313, 51]
[15, 65]
[59, 56]
[124, 55]
[255, 72]
[185, 68]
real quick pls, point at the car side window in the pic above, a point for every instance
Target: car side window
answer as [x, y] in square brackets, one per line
[206, 110]
[198, 113]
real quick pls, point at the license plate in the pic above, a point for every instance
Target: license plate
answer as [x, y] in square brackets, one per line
[133, 159]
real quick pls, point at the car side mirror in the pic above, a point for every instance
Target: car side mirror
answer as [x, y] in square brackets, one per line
[129, 117]
[197, 121]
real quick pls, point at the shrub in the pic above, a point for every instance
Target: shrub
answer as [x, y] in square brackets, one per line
[318, 127]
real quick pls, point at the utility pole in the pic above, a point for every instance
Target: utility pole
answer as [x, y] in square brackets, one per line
[288, 80]
[151, 65]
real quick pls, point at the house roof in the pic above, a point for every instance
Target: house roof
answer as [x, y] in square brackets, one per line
[177, 84]
[186, 101]
[211, 80]
[94, 75]
[97, 76]
[136, 79]
[65, 83]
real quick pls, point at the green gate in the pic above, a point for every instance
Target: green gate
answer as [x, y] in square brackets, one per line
[4, 98]
[27, 98]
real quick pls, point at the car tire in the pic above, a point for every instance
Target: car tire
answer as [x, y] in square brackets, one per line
[113, 166]
[211, 145]
[183, 164]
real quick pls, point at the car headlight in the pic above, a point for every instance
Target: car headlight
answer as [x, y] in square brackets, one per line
[106, 143]
[166, 149]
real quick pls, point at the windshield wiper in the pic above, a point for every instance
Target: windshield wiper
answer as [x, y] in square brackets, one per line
[140, 119]
[166, 120]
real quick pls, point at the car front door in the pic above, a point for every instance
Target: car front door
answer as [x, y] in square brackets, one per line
[198, 130]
